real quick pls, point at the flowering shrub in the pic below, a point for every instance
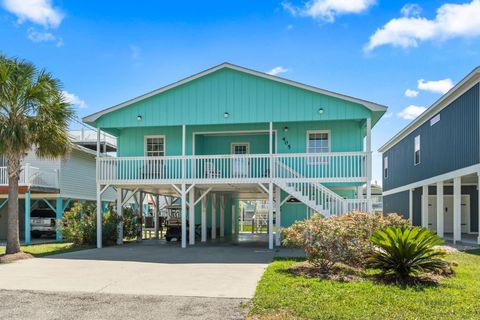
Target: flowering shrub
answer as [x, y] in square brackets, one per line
[79, 225]
[342, 238]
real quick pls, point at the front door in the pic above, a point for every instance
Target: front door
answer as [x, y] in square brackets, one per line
[240, 165]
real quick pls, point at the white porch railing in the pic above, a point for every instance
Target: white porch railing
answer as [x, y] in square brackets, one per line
[327, 167]
[32, 177]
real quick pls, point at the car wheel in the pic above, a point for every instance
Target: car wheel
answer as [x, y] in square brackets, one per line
[36, 234]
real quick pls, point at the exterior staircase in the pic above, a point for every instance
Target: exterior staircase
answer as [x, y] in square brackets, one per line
[314, 195]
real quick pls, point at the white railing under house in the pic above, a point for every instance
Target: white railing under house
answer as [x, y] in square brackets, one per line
[328, 167]
[32, 177]
[357, 205]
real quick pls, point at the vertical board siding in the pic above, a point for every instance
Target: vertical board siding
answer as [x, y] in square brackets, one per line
[450, 144]
[345, 136]
[248, 99]
[397, 203]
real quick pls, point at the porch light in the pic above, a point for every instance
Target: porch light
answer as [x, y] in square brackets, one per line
[285, 129]
[139, 118]
[321, 110]
[226, 115]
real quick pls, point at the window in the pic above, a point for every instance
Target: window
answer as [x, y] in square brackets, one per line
[434, 120]
[318, 142]
[385, 167]
[155, 146]
[416, 159]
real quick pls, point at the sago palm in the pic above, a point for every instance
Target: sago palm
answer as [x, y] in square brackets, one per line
[406, 251]
[33, 116]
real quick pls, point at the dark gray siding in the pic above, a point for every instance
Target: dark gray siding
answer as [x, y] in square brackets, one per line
[396, 203]
[450, 144]
[448, 190]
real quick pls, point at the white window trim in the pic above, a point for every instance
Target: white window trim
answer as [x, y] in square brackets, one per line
[419, 150]
[385, 176]
[233, 144]
[319, 131]
[154, 136]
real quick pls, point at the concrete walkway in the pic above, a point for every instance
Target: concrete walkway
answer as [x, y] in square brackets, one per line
[149, 268]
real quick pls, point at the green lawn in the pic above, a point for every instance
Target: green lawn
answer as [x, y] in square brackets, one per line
[41, 250]
[281, 295]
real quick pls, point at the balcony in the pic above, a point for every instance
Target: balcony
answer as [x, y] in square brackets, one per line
[32, 177]
[251, 168]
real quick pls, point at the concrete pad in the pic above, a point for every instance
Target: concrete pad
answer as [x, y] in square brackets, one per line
[144, 269]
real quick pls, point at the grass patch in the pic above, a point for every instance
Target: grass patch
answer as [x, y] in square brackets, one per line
[282, 295]
[46, 249]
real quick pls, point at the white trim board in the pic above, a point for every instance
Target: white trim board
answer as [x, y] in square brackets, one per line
[368, 104]
[460, 88]
[446, 176]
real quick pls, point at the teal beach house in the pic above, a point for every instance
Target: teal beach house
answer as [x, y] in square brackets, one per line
[229, 134]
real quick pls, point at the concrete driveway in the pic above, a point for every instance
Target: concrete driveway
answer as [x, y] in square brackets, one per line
[149, 268]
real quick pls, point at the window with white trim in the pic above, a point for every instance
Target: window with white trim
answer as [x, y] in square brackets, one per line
[416, 154]
[154, 146]
[318, 142]
[385, 167]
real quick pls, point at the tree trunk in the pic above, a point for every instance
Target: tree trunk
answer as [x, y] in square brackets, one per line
[13, 242]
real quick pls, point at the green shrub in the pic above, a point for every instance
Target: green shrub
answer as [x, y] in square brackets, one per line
[336, 239]
[79, 225]
[406, 251]
[130, 223]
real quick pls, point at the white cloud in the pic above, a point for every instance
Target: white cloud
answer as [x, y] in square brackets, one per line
[439, 86]
[451, 20]
[74, 100]
[411, 10]
[327, 10]
[38, 36]
[411, 112]
[411, 93]
[40, 12]
[277, 70]
[388, 115]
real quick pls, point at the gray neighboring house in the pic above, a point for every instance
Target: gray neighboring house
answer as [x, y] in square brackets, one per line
[431, 169]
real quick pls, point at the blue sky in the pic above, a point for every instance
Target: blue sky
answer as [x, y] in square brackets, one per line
[108, 51]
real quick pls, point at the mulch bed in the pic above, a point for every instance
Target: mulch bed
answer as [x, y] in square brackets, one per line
[6, 258]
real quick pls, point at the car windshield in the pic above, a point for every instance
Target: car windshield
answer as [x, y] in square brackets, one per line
[42, 214]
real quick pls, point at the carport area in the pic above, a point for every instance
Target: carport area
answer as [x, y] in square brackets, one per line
[147, 268]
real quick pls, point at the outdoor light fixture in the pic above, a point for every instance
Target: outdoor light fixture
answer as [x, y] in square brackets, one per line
[285, 129]
[226, 115]
[139, 118]
[321, 111]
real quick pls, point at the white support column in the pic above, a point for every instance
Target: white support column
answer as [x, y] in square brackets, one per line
[140, 213]
[425, 206]
[457, 209]
[278, 215]
[222, 216]
[184, 216]
[270, 215]
[233, 220]
[99, 216]
[120, 215]
[214, 216]
[478, 208]
[368, 147]
[191, 219]
[410, 205]
[156, 216]
[98, 142]
[440, 210]
[204, 218]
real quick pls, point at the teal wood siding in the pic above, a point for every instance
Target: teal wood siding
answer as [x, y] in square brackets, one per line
[345, 136]
[247, 98]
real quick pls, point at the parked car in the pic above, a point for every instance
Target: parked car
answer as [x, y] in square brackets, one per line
[42, 222]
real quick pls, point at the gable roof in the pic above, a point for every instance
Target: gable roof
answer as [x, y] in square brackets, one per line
[465, 84]
[368, 104]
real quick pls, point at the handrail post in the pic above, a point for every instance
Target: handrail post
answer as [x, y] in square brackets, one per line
[26, 174]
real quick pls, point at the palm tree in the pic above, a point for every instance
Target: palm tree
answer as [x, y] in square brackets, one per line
[34, 115]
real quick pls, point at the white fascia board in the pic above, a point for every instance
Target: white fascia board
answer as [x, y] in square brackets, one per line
[368, 104]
